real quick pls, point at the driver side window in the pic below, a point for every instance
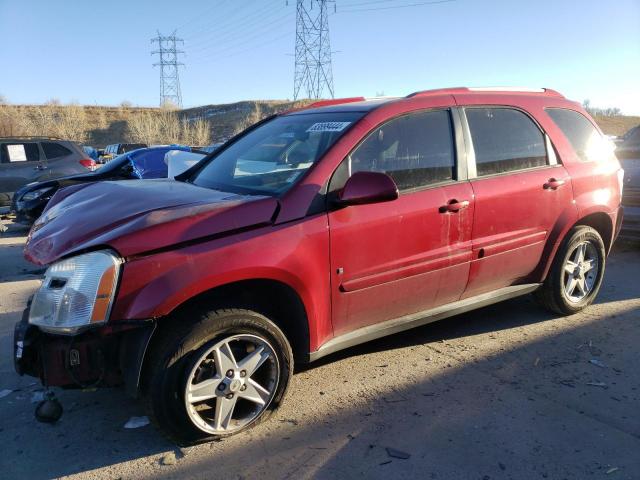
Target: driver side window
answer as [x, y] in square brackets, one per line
[416, 150]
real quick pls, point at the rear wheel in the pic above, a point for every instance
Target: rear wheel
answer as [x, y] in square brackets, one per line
[218, 376]
[576, 273]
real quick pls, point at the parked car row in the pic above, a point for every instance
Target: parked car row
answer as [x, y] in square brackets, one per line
[312, 231]
[144, 163]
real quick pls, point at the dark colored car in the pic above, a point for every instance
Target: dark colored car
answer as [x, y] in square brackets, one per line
[631, 198]
[629, 145]
[115, 149]
[34, 159]
[29, 202]
[313, 231]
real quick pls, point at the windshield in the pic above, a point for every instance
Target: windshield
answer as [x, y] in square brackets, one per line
[114, 164]
[270, 159]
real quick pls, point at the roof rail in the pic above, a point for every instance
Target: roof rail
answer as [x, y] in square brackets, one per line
[438, 91]
[546, 91]
[450, 91]
[334, 101]
[28, 137]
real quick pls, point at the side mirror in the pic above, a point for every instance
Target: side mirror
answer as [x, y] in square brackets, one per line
[368, 187]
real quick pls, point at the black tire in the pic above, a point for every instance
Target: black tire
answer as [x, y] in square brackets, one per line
[180, 343]
[552, 294]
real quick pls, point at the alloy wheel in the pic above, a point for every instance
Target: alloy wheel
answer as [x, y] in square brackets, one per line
[580, 271]
[231, 384]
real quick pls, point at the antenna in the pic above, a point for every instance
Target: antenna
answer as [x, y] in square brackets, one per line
[170, 93]
[313, 72]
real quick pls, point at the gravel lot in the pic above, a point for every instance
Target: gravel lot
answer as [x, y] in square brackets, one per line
[509, 391]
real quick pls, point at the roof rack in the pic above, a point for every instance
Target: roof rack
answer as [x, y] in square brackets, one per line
[451, 91]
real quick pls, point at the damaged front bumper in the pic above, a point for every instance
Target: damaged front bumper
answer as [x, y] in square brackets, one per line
[104, 356]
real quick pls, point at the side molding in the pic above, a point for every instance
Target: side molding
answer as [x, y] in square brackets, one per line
[413, 320]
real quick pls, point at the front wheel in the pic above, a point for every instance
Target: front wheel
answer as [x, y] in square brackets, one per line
[576, 273]
[218, 376]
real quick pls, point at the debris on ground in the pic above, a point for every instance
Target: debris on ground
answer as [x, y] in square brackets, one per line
[597, 384]
[168, 458]
[611, 470]
[37, 397]
[137, 422]
[597, 363]
[395, 399]
[393, 453]
[4, 393]
[535, 364]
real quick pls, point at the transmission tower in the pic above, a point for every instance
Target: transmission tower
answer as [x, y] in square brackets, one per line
[169, 79]
[313, 72]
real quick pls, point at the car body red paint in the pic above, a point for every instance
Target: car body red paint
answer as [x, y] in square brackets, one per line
[351, 267]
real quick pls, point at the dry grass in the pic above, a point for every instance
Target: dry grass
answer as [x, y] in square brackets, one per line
[100, 126]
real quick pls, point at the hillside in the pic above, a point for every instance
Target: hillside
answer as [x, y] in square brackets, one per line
[104, 125]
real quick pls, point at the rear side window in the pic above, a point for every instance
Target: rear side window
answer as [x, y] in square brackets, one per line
[583, 136]
[20, 152]
[415, 150]
[54, 150]
[505, 140]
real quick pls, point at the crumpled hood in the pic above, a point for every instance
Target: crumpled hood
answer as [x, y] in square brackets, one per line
[135, 216]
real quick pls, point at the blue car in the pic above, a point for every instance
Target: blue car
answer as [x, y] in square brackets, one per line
[30, 200]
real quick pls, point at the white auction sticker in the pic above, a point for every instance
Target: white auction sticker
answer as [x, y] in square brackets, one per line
[16, 153]
[328, 127]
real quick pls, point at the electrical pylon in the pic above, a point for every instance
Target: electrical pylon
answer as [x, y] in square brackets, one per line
[170, 93]
[313, 74]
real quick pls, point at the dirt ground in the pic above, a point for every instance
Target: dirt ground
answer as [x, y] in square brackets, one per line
[507, 392]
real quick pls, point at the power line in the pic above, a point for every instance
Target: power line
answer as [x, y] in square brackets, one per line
[391, 7]
[313, 71]
[250, 49]
[168, 61]
[260, 30]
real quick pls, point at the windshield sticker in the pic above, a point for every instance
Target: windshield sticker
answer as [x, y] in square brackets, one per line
[328, 127]
[287, 135]
[16, 153]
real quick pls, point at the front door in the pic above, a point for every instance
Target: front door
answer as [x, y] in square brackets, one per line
[520, 192]
[412, 254]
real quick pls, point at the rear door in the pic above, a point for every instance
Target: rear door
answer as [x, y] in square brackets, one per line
[412, 254]
[520, 192]
[20, 163]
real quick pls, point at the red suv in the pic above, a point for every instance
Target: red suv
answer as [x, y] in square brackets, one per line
[312, 231]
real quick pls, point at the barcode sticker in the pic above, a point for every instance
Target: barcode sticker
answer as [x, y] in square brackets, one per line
[328, 127]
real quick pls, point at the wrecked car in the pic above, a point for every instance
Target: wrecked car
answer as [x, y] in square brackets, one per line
[312, 231]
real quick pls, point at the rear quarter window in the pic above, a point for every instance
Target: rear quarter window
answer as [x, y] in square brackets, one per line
[54, 150]
[585, 139]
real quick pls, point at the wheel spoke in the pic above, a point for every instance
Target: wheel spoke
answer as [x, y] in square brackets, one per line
[590, 264]
[581, 287]
[570, 267]
[253, 361]
[255, 392]
[570, 285]
[204, 390]
[224, 412]
[224, 359]
[580, 252]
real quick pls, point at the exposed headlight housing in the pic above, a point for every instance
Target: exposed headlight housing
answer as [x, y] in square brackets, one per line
[34, 194]
[76, 292]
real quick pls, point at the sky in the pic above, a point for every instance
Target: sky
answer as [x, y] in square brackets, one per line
[99, 52]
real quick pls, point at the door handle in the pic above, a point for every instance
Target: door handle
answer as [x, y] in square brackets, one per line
[40, 167]
[454, 206]
[553, 184]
